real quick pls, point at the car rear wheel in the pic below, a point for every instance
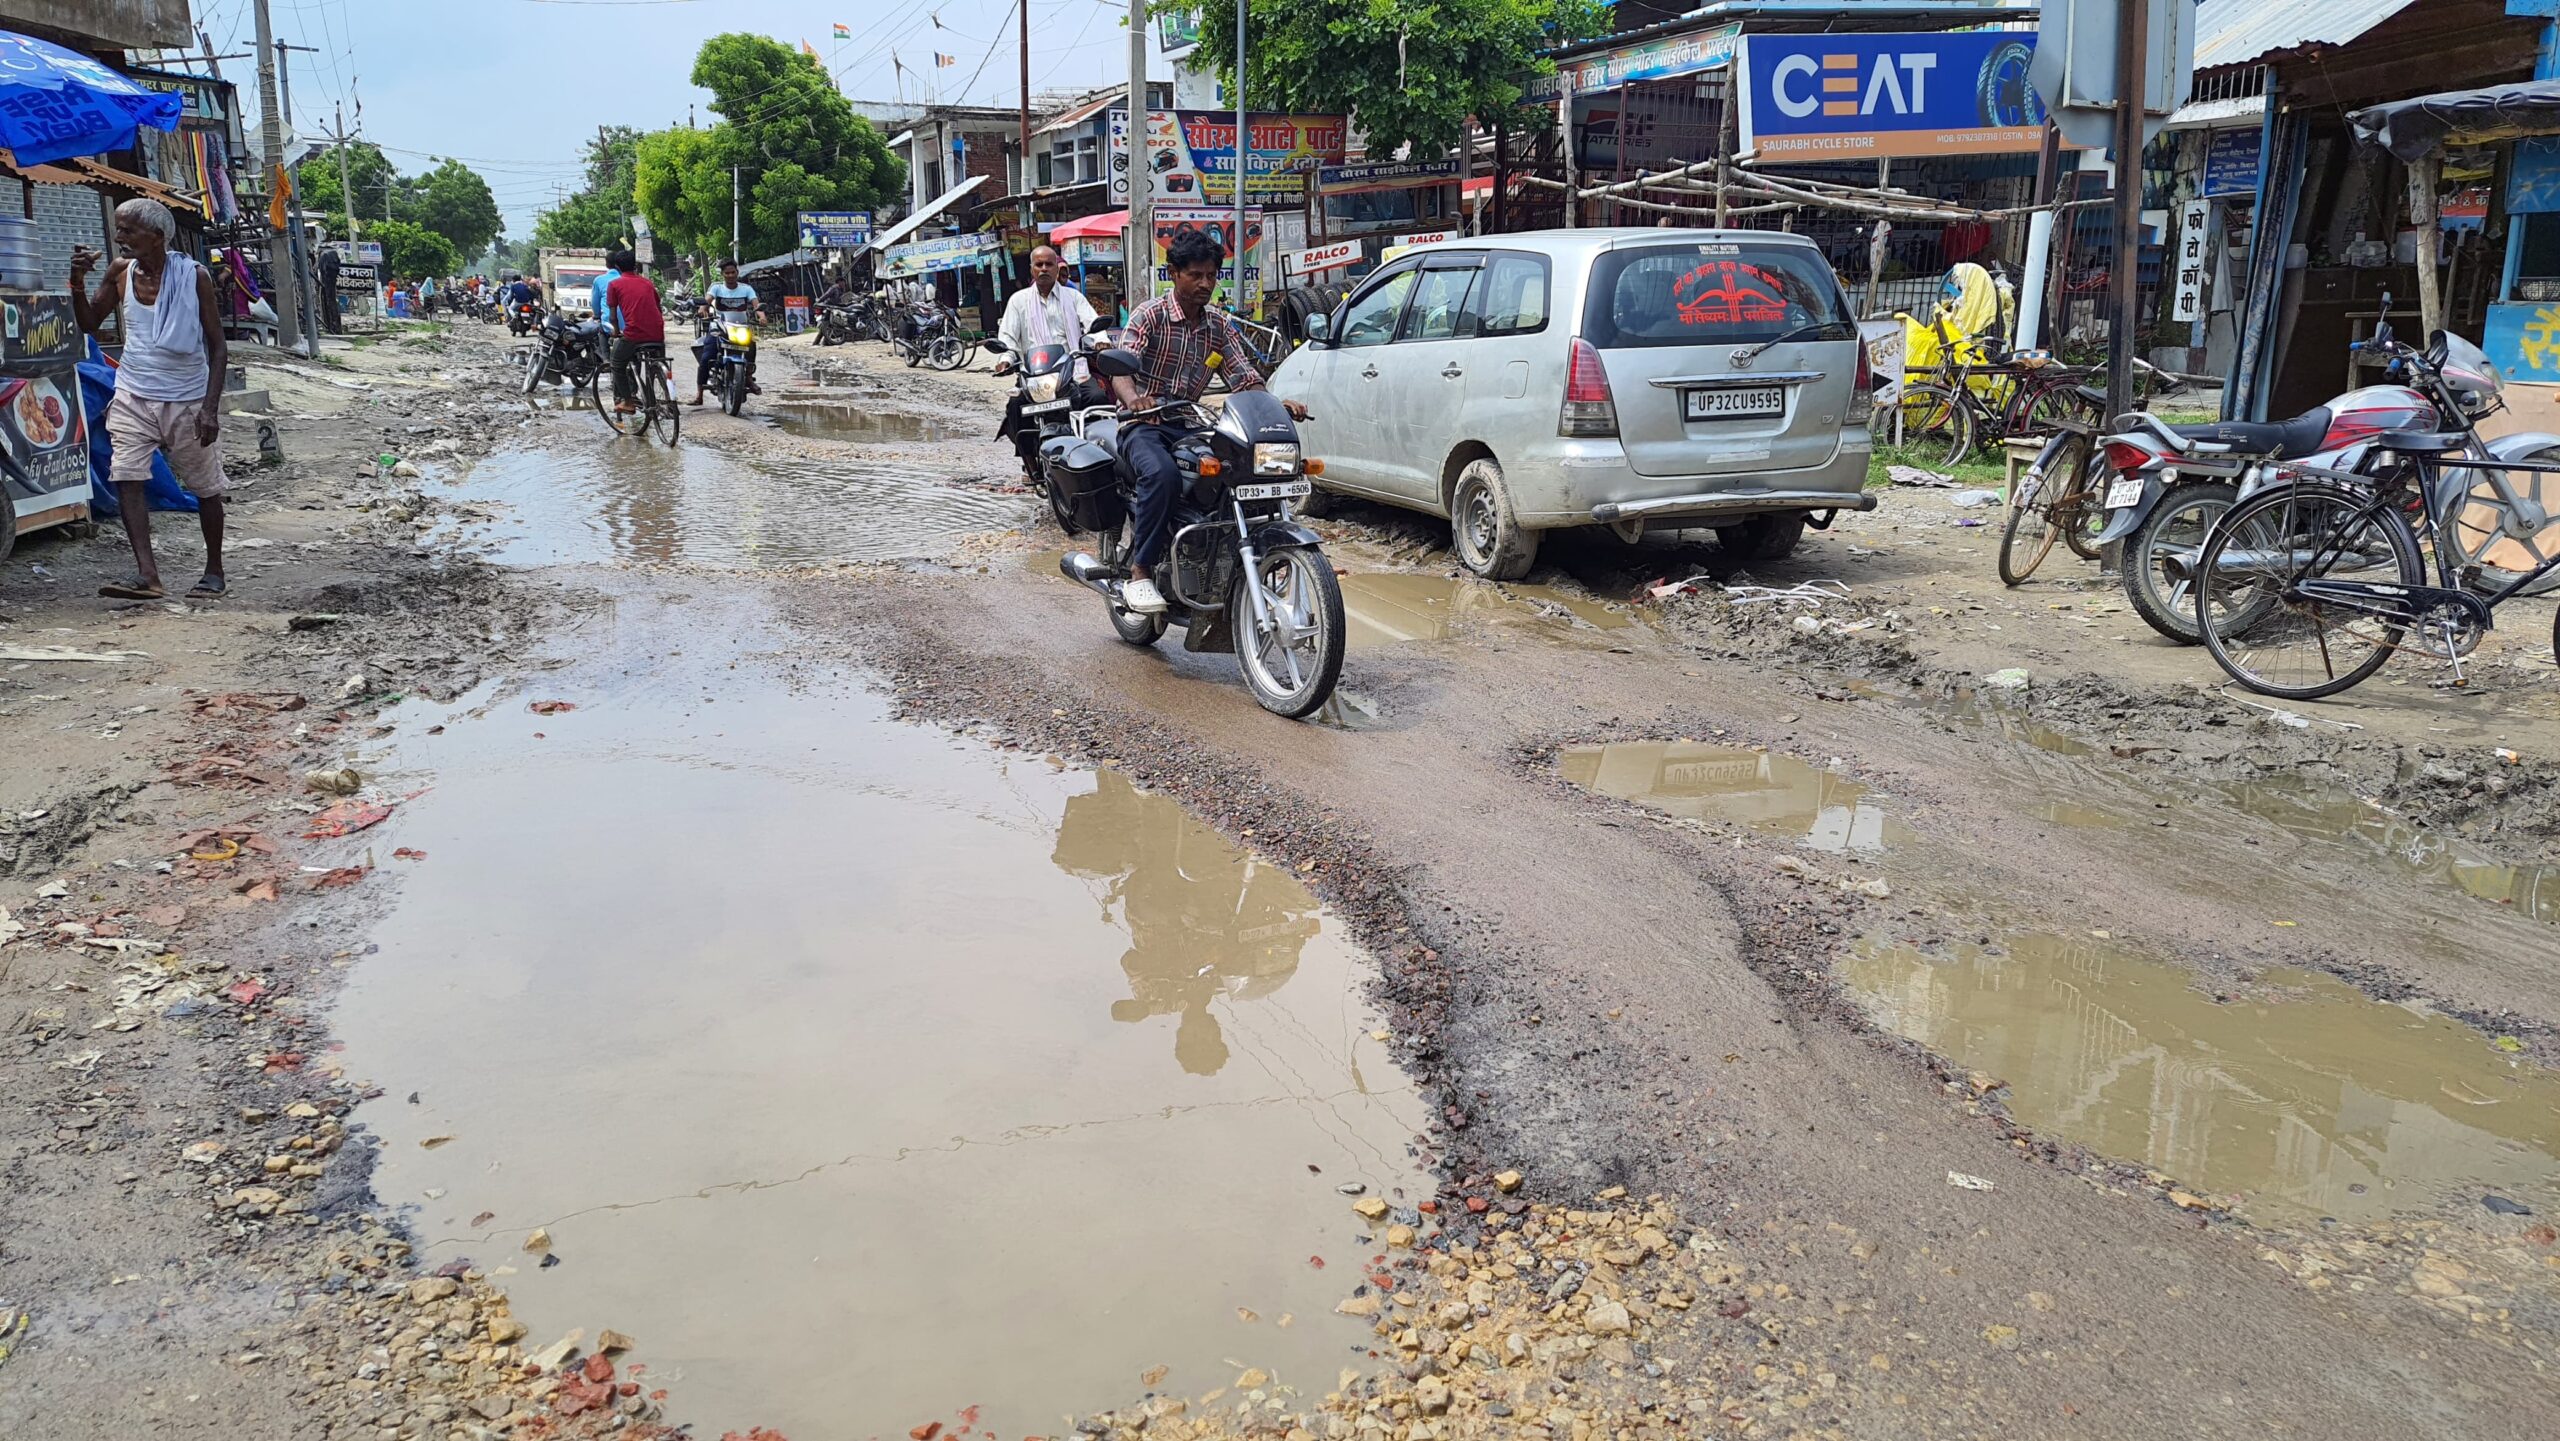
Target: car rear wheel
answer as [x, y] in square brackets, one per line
[1763, 537]
[1484, 529]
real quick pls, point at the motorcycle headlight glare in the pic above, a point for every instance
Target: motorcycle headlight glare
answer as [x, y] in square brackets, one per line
[741, 336]
[1275, 458]
[1041, 389]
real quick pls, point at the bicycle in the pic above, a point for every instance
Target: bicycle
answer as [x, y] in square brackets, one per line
[653, 385]
[2023, 393]
[2059, 498]
[2302, 578]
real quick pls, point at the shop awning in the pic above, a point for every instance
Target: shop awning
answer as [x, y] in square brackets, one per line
[1109, 222]
[2414, 129]
[913, 223]
[80, 170]
[2240, 32]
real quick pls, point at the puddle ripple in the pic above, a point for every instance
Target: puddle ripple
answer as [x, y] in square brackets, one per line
[862, 424]
[632, 501]
[863, 1074]
[2320, 1103]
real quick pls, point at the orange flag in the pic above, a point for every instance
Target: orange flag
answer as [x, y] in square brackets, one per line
[278, 218]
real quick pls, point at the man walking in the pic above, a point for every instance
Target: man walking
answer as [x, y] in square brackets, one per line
[329, 319]
[1045, 314]
[169, 389]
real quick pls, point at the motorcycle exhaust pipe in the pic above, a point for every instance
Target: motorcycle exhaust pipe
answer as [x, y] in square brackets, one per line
[1086, 570]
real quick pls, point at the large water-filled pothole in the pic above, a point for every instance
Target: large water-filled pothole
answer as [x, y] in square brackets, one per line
[636, 501]
[860, 1072]
[1780, 795]
[1388, 608]
[863, 424]
[2299, 1100]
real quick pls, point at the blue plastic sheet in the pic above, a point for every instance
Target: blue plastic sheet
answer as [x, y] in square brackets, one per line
[162, 491]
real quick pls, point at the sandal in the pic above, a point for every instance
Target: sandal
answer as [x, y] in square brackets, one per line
[209, 588]
[134, 589]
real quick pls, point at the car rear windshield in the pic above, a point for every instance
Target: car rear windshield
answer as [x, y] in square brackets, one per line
[1712, 293]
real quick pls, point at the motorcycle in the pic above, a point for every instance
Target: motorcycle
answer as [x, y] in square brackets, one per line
[571, 350]
[523, 317]
[839, 325]
[733, 348]
[1241, 575]
[2170, 484]
[1056, 403]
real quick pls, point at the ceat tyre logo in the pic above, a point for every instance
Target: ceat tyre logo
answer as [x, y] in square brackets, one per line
[1897, 84]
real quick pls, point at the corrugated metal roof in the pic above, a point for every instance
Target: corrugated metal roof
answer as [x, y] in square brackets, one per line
[2236, 32]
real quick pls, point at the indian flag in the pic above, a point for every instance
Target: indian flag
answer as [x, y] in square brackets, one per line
[844, 32]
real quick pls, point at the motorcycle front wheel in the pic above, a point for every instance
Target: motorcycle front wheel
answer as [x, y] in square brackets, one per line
[733, 391]
[534, 370]
[1293, 664]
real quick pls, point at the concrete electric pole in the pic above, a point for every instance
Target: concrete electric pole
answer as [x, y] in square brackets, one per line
[280, 254]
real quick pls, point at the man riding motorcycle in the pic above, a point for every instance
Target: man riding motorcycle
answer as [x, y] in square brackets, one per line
[1044, 314]
[732, 302]
[1175, 338]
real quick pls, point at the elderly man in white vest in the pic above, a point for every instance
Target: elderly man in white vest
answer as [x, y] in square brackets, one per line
[168, 382]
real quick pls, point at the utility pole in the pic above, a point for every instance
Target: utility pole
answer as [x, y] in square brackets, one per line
[1138, 253]
[1244, 167]
[737, 211]
[2133, 35]
[346, 187]
[281, 266]
[1023, 24]
[305, 284]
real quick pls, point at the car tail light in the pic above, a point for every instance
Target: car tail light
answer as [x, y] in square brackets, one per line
[1862, 388]
[1588, 408]
[2124, 455]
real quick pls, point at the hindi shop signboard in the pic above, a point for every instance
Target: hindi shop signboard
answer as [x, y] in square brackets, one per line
[1190, 155]
[1845, 97]
[835, 229]
[2231, 162]
[948, 252]
[1170, 221]
[1388, 175]
[1645, 60]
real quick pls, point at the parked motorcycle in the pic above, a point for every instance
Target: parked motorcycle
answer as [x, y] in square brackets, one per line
[1241, 575]
[839, 324]
[571, 350]
[2170, 484]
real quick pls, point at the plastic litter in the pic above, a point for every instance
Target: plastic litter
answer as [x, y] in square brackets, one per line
[1969, 499]
[1963, 1182]
[2012, 678]
[1917, 475]
[1811, 593]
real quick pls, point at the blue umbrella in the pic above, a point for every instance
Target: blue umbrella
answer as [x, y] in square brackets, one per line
[56, 103]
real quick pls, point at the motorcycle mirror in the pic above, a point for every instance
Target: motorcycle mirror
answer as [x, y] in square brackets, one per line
[995, 345]
[1115, 364]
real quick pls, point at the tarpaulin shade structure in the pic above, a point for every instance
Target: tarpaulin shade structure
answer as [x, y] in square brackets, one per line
[2415, 129]
[1108, 223]
[56, 103]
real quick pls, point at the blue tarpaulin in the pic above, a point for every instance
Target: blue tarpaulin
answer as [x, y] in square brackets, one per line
[162, 492]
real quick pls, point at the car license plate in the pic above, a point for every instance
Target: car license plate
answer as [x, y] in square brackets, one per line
[2123, 493]
[1046, 407]
[1280, 490]
[1736, 404]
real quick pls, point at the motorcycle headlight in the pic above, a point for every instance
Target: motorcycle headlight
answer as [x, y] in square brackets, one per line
[741, 336]
[1275, 458]
[1041, 389]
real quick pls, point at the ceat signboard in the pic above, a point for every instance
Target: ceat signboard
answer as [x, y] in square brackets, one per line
[1840, 97]
[1324, 257]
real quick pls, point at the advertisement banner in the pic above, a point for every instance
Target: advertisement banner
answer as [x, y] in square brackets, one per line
[356, 252]
[1317, 259]
[948, 252]
[1842, 97]
[1091, 250]
[1190, 155]
[2231, 162]
[2193, 234]
[1388, 175]
[1176, 30]
[46, 434]
[835, 229]
[1645, 60]
[1171, 221]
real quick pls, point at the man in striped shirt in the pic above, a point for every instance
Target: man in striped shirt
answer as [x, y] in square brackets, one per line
[1177, 338]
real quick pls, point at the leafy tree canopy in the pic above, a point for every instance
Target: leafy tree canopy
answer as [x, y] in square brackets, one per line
[454, 202]
[1408, 72]
[369, 173]
[600, 213]
[683, 189]
[411, 251]
[795, 141]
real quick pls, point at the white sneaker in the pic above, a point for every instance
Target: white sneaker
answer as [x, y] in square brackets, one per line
[1142, 597]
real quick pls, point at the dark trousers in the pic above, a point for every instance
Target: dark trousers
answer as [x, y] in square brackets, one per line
[625, 352]
[1024, 433]
[1148, 451]
[329, 316]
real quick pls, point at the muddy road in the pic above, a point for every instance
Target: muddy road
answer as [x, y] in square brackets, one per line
[808, 974]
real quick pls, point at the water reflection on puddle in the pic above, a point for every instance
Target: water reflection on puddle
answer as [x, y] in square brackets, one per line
[1389, 609]
[625, 500]
[2321, 1103]
[860, 1073]
[1774, 793]
[862, 424]
[2330, 815]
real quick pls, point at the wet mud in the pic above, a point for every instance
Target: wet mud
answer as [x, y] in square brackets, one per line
[861, 424]
[1779, 795]
[841, 1060]
[1391, 608]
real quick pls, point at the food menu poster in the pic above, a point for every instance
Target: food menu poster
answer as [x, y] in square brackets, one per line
[47, 435]
[38, 326]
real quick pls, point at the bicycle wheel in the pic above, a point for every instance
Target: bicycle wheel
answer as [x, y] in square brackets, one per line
[664, 413]
[2044, 502]
[600, 395]
[1934, 425]
[2055, 403]
[2256, 621]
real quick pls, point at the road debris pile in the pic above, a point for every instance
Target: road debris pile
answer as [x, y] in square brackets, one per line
[1563, 1322]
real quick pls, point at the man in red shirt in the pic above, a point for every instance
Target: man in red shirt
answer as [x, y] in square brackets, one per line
[631, 303]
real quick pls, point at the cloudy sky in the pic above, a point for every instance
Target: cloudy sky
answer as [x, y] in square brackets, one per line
[514, 86]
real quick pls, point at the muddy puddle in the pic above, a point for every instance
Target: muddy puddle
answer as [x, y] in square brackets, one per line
[1392, 609]
[862, 424]
[1780, 795]
[2304, 1099]
[637, 501]
[862, 1073]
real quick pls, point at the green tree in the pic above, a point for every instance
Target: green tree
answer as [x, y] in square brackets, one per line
[795, 140]
[369, 171]
[454, 202]
[600, 213]
[410, 250]
[1408, 72]
[683, 189]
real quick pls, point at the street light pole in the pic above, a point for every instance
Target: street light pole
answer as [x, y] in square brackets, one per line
[280, 266]
[1244, 167]
[346, 188]
[1138, 252]
[2132, 69]
[306, 293]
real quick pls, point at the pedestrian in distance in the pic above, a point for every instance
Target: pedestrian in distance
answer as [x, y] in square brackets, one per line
[168, 396]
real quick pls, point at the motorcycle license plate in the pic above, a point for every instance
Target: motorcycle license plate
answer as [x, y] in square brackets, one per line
[2123, 493]
[1735, 404]
[1046, 407]
[1280, 490]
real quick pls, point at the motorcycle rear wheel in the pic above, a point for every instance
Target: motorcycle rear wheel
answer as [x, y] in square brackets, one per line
[948, 352]
[2160, 557]
[1292, 670]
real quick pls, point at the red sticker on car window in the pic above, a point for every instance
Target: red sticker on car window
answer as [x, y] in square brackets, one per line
[1728, 292]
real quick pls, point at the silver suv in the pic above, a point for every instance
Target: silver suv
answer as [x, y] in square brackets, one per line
[1627, 378]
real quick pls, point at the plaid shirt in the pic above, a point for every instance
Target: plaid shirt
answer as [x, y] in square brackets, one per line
[1173, 352]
